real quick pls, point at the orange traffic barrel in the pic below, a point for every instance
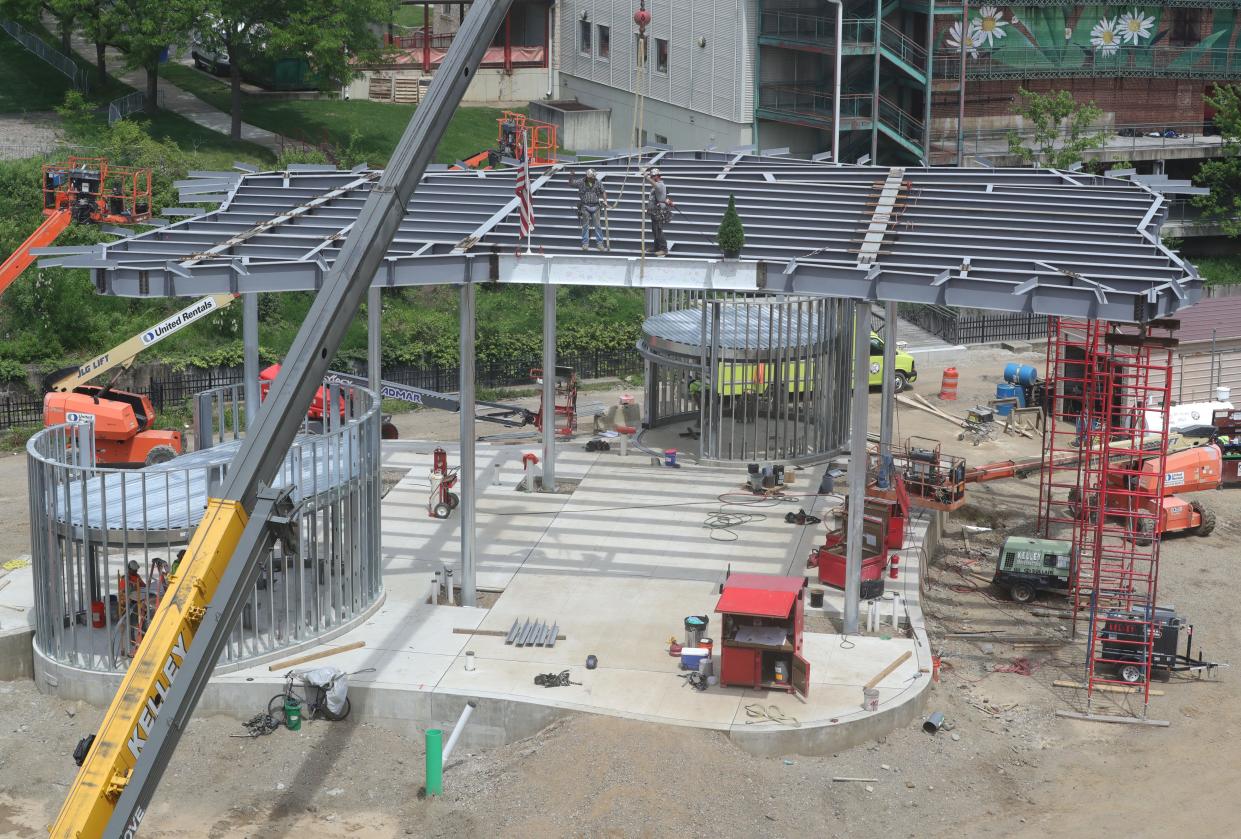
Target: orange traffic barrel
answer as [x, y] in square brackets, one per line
[948, 387]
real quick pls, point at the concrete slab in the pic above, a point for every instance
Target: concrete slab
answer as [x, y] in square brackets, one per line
[617, 564]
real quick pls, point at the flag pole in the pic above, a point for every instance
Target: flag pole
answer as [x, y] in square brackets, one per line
[529, 191]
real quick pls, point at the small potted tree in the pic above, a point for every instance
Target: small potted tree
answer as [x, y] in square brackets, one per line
[731, 235]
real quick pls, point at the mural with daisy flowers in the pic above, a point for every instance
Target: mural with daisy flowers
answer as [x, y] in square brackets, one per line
[1126, 39]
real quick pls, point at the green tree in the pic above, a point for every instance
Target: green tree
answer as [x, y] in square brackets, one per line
[1062, 128]
[331, 34]
[1222, 175]
[145, 29]
[731, 235]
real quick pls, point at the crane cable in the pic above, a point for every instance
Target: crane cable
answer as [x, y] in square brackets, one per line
[641, 18]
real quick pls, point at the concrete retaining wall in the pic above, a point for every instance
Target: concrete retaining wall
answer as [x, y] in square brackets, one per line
[16, 655]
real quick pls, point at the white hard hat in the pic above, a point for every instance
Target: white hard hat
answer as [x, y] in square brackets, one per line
[653, 173]
[133, 565]
[590, 173]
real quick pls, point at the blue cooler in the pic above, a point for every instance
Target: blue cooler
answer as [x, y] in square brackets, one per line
[691, 657]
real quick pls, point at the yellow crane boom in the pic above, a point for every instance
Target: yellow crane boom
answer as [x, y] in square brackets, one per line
[124, 763]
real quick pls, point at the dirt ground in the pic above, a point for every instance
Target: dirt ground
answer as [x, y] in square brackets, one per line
[1008, 767]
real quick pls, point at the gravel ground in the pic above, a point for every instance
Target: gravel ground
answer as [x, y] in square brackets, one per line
[25, 135]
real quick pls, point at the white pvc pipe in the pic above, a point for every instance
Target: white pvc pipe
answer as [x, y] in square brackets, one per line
[896, 611]
[458, 728]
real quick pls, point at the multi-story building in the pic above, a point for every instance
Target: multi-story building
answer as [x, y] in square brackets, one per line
[732, 72]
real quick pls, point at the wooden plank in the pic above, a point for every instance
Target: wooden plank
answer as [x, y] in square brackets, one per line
[887, 671]
[496, 633]
[1066, 683]
[1074, 715]
[293, 662]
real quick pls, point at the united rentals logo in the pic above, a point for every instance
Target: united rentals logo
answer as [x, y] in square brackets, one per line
[77, 416]
[182, 318]
[155, 701]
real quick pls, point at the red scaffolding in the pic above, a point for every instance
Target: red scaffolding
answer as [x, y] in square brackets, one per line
[1105, 449]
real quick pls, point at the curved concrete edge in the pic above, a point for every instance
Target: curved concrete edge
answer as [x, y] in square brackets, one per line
[827, 738]
[310, 643]
[98, 688]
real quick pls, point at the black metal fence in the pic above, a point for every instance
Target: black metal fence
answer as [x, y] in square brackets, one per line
[967, 326]
[171, 389]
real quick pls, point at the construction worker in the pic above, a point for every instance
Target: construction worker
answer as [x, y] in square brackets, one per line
[658, 210]
[590, 199]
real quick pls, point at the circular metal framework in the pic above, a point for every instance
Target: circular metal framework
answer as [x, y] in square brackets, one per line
[752, 377]
[89, 523]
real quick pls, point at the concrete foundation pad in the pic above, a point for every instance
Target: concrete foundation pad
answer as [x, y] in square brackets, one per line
[617, 564]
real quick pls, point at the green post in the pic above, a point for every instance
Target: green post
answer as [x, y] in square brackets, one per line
[435, 761]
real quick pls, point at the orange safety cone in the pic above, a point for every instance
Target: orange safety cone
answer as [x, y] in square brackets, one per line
[948, 387]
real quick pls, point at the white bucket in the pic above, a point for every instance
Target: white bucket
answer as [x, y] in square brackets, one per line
[469, 660]
[870, 699]
[1222, 394]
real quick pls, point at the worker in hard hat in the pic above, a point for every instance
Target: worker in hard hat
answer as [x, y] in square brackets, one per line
[590, 200]
[658, 209]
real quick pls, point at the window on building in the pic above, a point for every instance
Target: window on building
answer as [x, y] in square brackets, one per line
[661, 139]
[605, 41]
[583, 37]
[1186, 27]
[661, 55]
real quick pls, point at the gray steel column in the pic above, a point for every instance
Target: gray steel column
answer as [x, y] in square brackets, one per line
[549, 388]
[374, 347]
[888, 405]
[469, 593]
[857, 463]
[874, 113]
[250, 354]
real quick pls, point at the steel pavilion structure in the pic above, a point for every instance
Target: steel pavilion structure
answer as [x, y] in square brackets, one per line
[1025, 240]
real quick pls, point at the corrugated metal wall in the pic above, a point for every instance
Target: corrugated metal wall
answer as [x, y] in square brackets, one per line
[715, 79]
[1198, 371]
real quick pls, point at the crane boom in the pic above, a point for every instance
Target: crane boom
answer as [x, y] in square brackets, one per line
[141, 728]
[21, 258]
[125, 352]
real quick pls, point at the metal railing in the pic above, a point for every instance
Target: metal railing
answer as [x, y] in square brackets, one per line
[89, 523]
[900, 121]
[904, 47]
[1124, 137]
[1164, 61]
[816, 29]
[123, 106]
[957, 326]
[76, 74]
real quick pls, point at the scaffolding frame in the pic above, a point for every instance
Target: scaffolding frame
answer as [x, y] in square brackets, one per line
[1105, 453]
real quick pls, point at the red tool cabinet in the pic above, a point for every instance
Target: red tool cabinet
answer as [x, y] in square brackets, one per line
[761, 637]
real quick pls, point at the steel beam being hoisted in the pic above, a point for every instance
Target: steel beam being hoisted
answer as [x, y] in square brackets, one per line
[189, 630]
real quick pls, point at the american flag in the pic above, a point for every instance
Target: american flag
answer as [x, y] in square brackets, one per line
[526, 208]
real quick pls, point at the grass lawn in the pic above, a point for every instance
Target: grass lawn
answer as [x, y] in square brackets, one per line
[407, 15]
[370, 130]
[29, 83]
[1218, 270]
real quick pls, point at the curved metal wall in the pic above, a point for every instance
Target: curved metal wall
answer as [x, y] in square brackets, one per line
[772, 373]
[88, 523]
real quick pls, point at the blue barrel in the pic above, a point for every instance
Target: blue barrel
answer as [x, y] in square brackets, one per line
[1020, 374]
[1005, 390]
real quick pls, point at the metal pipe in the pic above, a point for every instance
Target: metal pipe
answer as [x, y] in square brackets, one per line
[857, 463]
[836, 81]
[887, 405]
[458, 728]
[549, 388]
[469, 594]
[374, 348]
[965, 39]
[874, 108]
[250, 354]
